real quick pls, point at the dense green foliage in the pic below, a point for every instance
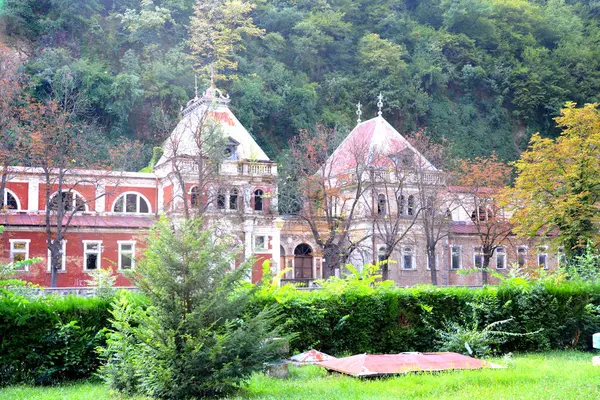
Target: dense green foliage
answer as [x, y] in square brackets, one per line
[196, 337]
[358, 319]
[53, 339]
[50, 339]
[483, 74]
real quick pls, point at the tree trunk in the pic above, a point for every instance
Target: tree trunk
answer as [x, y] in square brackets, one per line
[484, 270]
[432, 265]
[332, 261]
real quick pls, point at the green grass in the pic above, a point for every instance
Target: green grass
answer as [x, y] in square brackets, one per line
[553, 375]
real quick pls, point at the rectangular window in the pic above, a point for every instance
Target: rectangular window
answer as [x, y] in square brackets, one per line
[408, 258]
[437, 267]
[92, 250]
[19, 251]
[126, 254]
[62, 262]
[478, 257]
[521, 255]
[542, 257]
[500, 258]
[260, 242]
[456, 257]
[561, 257]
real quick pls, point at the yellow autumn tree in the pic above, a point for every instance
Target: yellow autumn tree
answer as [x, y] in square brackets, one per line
[557, 190]
[216, 31]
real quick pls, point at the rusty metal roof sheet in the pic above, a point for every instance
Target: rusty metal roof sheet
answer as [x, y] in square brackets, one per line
[311, 356]
[369, 365]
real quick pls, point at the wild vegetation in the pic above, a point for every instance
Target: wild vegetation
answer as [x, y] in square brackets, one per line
[484, 74]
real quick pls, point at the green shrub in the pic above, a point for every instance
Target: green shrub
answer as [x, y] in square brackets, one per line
[49, 339]
[380, 319]
[195, 338]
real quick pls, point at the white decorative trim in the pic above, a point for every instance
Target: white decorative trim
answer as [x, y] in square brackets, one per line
[112, 208]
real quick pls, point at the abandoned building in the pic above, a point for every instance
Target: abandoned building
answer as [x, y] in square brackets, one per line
[111, 211]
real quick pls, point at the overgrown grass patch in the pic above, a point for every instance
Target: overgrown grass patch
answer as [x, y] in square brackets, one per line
[550, 375]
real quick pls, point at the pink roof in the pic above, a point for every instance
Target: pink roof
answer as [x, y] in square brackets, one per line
[368, 140]
[86, 221]
[387, 364]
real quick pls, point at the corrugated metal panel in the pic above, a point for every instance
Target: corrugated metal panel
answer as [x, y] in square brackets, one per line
[389, 364]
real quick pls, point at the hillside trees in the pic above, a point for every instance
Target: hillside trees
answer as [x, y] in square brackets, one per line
[12, 97]
[483, 75]
[557, 189]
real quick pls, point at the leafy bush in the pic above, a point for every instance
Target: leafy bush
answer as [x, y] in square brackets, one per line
[49, 339]
[355, 319]
[194, 339]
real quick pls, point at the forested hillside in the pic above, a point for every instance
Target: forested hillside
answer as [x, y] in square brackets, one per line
[483, 74]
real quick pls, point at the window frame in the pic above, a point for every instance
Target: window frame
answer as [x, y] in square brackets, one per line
[87, 252]
[73, 193]
[19, 251]
[63, 261]
[5, 199]
[478, 253]
[525, 256]
[259, 196]
[460, 251]
[382, 205]
[542, 251]
[121, 252]
[503, 254]
[410, 253]
[265, 246]
[137, 204]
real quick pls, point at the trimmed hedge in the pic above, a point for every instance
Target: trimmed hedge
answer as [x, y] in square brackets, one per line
[397, 320]
[53, 339]
[50, 339]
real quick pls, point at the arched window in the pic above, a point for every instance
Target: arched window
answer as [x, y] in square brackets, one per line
[133, 203]
[411, 205]
[9, 201]
[303, 262]
[381, 205]
[195, 197]
[221, 199]
[401, 204]
[233, 199]
[258, 199]
[68, 201]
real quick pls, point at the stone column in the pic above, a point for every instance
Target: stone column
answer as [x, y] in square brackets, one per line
[276, 246]
[33, 193]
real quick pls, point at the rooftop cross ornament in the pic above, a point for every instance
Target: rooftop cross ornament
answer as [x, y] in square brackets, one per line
[358, 112]
[379, 103]
[212, 76]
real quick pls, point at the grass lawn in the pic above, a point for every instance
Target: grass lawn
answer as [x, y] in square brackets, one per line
[553, 375]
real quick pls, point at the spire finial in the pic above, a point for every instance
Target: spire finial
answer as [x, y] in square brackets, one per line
[379, 103]
[358, 112]
[212, 76]
[196, 85]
